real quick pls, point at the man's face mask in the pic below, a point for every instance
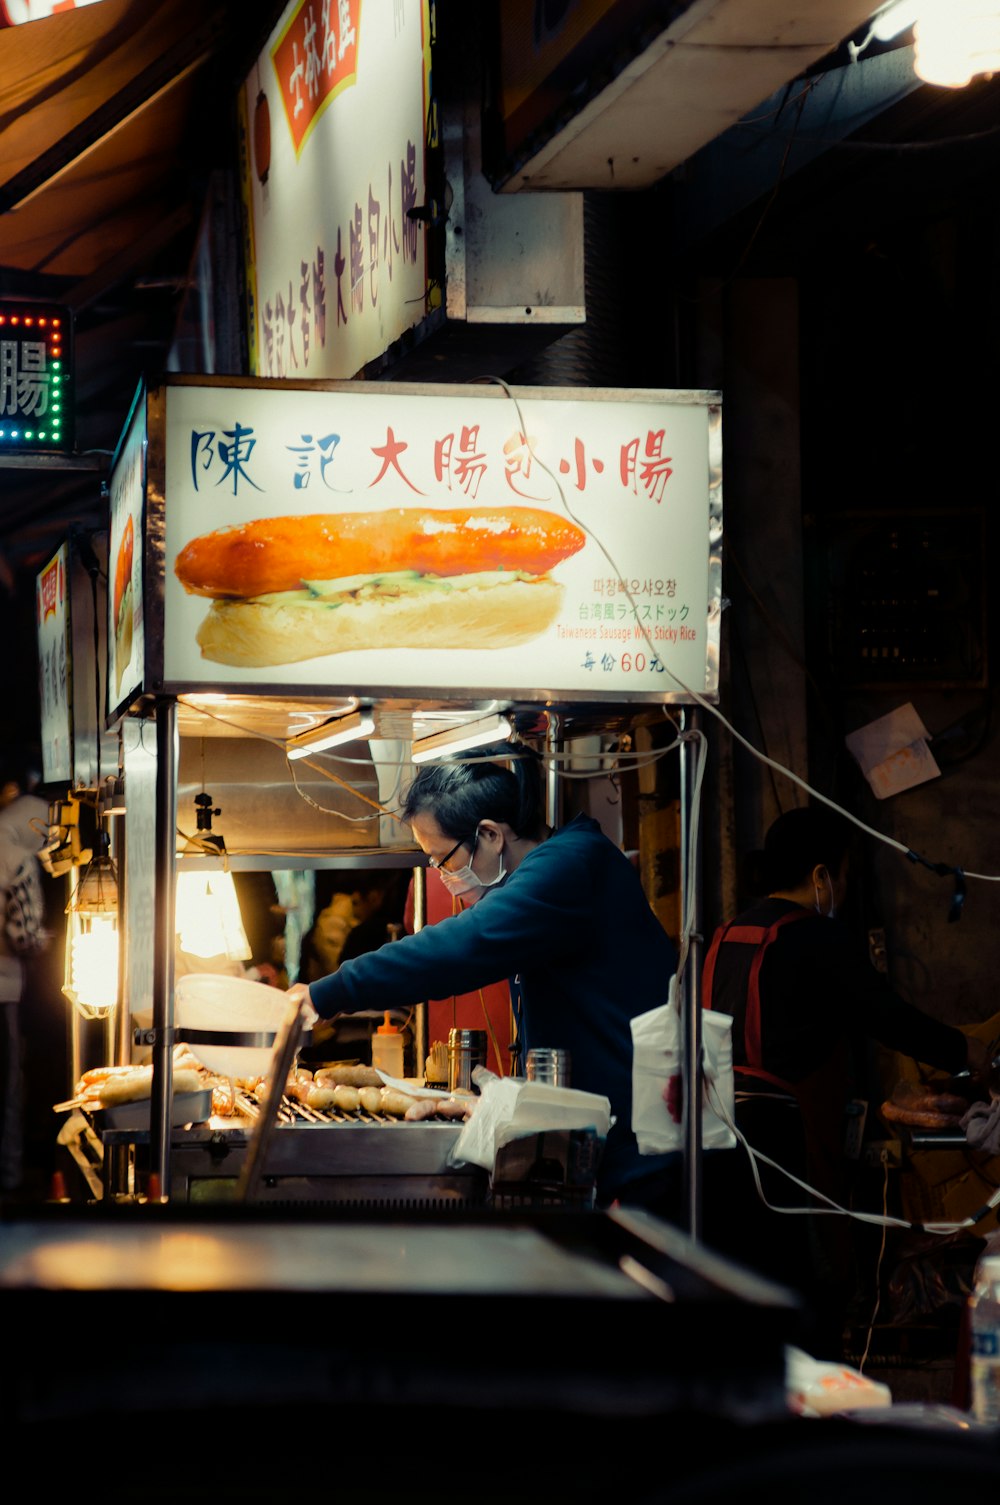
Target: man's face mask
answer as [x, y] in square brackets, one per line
[463, 883]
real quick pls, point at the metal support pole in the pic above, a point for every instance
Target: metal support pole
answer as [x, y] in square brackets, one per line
[74, 1022]
[553, 783]
[689, 1001]
[122, 1043]
[163, 940]
[420, 1013]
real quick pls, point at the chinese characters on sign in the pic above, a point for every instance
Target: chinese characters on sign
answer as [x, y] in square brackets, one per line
[34, 362]
[316, 58]
[54, 675]
[294, 319]
[455, 458]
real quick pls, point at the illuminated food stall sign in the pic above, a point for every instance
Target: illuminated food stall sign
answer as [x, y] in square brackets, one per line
[126, 615]
[55, 670]
[371, 539]
[333, 121]
[35, 355]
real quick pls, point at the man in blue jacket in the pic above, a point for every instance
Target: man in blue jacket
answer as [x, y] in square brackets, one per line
[562, 914]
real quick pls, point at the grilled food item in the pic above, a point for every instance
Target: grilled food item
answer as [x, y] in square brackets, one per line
[123, 607]
[370, 1098]
[132, 1086]
[107, 1086]
[922, 1118]
[396, 1103]
[347, 1099]
[924, 1108]
[348, 1076]
[290, 588]
[443, 1107]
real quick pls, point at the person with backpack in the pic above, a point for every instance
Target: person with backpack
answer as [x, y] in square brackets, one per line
[23, 829]
[805, 1002]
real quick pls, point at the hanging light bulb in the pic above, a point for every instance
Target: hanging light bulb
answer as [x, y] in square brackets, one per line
[90, 979]
[93, 966]
[207, 919]
[956, 41]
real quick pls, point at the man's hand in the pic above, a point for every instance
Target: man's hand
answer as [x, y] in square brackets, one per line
[977, 1056]
[299, 993]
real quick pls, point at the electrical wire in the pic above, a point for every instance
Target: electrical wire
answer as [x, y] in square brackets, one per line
[830, 1208]
[713, 710]
[878, 1267]
[618, 760]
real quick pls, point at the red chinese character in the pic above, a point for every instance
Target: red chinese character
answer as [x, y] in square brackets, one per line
[49, 584]
[518, 454]
[312, 63]
[654, 473]
[469, 463]
[390, 453]
[580, 461]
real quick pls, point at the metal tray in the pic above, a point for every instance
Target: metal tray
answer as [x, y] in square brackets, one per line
[185, 1108]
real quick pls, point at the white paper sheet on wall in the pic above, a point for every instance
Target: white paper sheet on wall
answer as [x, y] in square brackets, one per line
[893, 753]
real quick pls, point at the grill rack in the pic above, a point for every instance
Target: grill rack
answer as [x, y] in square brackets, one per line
[291, 1111]
[326, 1157]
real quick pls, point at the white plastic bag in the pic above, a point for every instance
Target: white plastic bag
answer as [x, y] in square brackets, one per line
[509, 1107]
[656, 1058]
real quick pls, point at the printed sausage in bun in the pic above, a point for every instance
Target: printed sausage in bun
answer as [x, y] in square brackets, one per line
[291, 588]
[123, 607]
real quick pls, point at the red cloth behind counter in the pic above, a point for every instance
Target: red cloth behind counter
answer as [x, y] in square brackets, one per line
[465, 1011]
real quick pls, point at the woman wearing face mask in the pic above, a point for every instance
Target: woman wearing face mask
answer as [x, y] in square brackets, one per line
[803, 1002]
[561, 914]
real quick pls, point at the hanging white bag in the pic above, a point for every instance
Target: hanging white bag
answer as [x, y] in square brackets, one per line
[657, 1042]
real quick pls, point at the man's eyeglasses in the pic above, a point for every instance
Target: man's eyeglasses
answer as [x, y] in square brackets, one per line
[438, 863]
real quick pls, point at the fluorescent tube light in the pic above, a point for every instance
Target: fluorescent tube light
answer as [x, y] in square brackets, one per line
[352, 728]
[892, 20]
[461, 738]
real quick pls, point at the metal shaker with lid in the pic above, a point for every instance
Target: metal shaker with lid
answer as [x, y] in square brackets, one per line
[548, 1065]
[466, 1051]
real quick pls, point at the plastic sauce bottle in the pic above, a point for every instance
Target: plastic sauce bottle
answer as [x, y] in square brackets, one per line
[984, 1367]
[387, 1049]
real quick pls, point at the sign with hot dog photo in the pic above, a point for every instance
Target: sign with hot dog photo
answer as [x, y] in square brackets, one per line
[381, 539]
[126, 627]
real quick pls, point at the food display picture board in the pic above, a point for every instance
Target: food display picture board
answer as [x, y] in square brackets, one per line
[126, 634]
[378, 539]
[55, 666]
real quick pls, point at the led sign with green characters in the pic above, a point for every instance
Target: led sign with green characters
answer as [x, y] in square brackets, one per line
[35, 347]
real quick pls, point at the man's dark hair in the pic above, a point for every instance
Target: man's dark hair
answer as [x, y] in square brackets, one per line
[463, 791]
[797, 842]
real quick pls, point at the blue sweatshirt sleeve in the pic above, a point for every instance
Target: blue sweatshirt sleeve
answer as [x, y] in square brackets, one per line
[537, 914]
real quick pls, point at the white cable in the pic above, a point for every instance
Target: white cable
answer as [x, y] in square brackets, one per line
[698, 698]
[700, 753]
[832, 1208]
[618, 761]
